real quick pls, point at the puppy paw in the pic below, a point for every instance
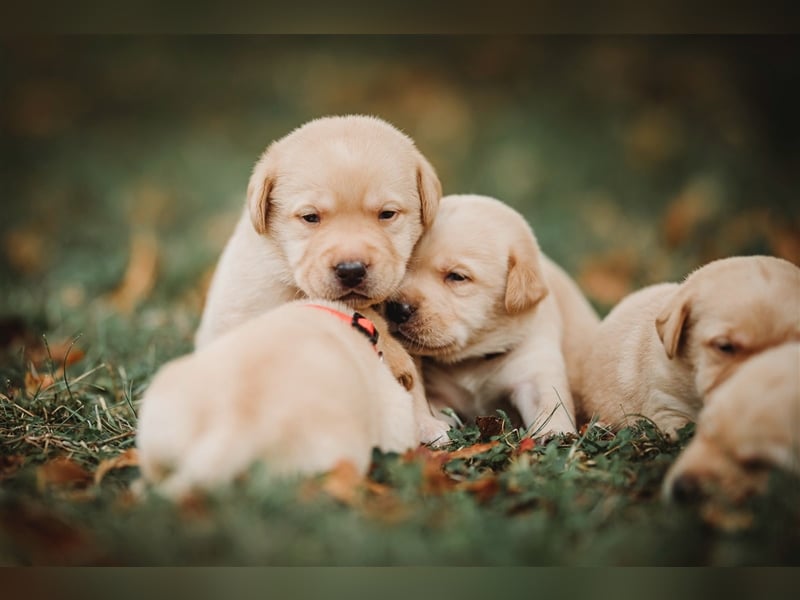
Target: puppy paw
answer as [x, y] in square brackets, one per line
[433, 431]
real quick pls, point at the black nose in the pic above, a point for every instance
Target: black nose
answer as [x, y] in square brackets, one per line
[350, 273]
[686, 489]
[399, 312]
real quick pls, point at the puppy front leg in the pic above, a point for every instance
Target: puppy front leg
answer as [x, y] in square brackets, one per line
[431, 430]
[543, 399]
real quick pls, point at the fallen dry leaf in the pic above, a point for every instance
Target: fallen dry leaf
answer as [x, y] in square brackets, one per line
[471, 451]
[140, 275]
[25, 250]
[343, 482]
[129, 458]
[489, 426]
[484, 489]
[526, 445]
[10, 464]
[435, 480]
[62, 472]
[36, 382]
[62, 354]
[696, 204]
[608, 278]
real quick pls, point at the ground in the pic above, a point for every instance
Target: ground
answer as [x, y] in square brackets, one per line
[124, 163]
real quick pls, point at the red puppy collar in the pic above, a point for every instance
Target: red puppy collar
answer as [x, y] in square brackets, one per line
[356, 320]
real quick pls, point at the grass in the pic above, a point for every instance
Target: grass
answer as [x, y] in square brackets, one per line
[591, 499]
[124, 163]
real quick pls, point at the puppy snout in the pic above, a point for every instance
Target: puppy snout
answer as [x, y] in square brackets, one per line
[350, 274]
[399, 312]
[686, 489]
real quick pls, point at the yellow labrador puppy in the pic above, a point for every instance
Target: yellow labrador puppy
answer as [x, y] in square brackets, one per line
[333, 211]
[301, 388]
[492, 317]
[662, 349]
[749, 424]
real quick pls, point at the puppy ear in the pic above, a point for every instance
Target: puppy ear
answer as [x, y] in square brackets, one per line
[258, 190]
[670, 321]
[430, 190]
[525, 284]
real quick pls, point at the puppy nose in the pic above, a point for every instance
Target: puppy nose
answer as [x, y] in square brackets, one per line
[686, 489]
[350, 273]
[399, 312]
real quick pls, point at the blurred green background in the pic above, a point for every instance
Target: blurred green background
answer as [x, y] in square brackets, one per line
[635, 159]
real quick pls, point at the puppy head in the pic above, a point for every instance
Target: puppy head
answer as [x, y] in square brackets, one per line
[472, 275]
[749, 425]
[345, 199]
[728, 310]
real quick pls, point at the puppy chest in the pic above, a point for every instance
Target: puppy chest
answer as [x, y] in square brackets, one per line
[469, 391]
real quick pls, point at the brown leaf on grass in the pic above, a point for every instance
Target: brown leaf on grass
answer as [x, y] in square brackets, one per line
[62, 354]
[526, 445]
[26, 250]
[608, 278]
[343, 482]
[140, 275]
[484, 489]
[9, 465]
[62, 472]
[489, 426]
[696, 204]
[36, 382]
[129, 458]
[471, 451]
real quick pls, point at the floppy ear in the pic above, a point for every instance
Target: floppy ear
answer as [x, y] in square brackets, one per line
[525, 284]
[258, 190]
[430, 190]
[670, 321]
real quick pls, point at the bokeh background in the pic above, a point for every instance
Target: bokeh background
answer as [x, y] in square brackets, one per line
[124, 160]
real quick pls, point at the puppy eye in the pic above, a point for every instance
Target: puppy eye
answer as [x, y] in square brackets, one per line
[310, 218]
[453, 276]
[725, 346]
[387, 215]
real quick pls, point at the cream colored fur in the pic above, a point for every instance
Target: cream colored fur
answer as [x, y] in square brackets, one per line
[350, 173]
[749, 425]
[511, 329]
[294, 388]
[666, 347]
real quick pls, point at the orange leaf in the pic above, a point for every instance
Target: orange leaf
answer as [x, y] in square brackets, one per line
[343, 482]
[473, 450]
[608, 278]
[526, 445]
[34, 382]
[484, 488]
[10, 464]
[129, 458]
[62, 472]
[140, 276]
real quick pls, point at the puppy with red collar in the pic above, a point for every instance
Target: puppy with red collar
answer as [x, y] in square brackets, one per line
[300, 388]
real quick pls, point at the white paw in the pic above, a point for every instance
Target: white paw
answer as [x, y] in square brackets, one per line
[433, 431]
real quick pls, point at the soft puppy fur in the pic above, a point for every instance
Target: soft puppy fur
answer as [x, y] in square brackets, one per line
[333, 211]
[296, 388]
[492, 318]
[663, 349]
[749, 425]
